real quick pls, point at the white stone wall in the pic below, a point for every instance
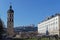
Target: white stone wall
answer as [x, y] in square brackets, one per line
[59, 25]
[52, 24]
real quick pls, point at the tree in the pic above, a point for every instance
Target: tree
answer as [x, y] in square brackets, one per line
[1, 28]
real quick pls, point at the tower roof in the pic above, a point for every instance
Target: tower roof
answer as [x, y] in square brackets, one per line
[10, 9]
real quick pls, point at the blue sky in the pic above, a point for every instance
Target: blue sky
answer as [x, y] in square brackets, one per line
[28, 12]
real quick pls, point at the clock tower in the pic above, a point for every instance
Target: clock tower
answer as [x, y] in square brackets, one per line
[10, 21]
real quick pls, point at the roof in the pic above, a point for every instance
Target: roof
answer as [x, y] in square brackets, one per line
[10, 10]
[50, 17]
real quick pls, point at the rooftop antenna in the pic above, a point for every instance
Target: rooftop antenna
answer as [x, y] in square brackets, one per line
[10, 5]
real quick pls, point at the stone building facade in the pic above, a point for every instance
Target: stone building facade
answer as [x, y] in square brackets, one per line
[52, 24]
[10, 21]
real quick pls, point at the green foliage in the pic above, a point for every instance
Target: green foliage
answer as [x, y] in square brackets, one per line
[45, 39]
[32, 39]
[17, 39]
[1, 28]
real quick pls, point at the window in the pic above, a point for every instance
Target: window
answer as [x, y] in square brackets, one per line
[56, 27]
[12, 20]
[10, 15]
[56, 18]
[10, 23]
[56, 22]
